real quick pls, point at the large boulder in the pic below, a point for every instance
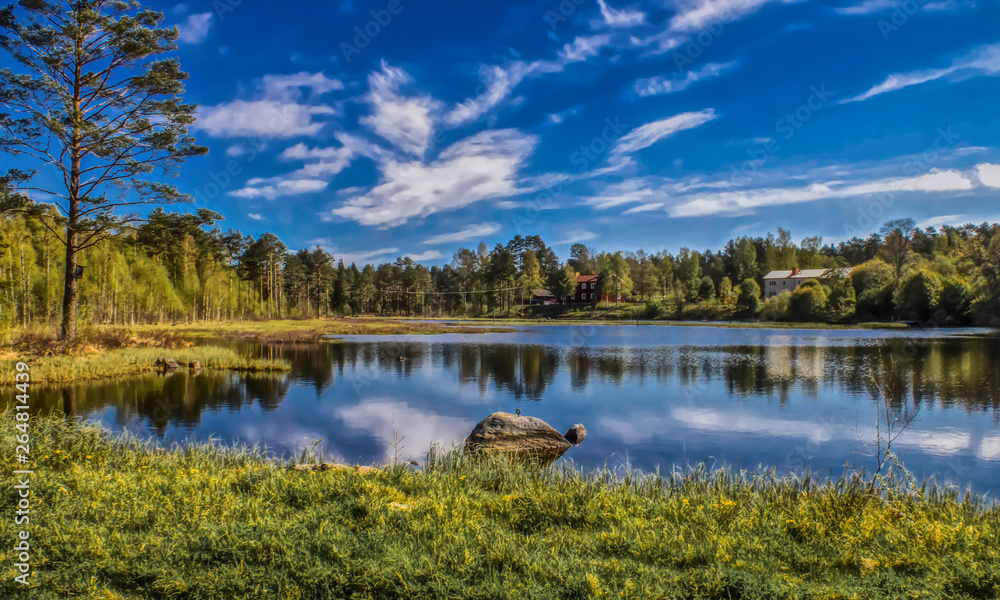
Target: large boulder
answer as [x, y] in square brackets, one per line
[519, 437]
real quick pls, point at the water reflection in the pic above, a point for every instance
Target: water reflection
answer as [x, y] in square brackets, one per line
[652, 395]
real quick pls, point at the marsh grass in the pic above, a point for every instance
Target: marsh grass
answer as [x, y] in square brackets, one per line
[131, 361]
[310, 330]
[116, 517]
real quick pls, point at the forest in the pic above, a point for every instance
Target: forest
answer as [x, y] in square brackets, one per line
[182, 267]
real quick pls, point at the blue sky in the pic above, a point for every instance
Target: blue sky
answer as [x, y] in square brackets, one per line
[407, 127]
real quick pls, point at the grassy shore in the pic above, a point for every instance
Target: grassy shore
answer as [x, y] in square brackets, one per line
[309, 330]
[112, 517]
[129, 361]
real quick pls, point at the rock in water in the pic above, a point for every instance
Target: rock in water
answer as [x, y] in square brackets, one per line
[166, 364]
[576, 434]
[517, 436]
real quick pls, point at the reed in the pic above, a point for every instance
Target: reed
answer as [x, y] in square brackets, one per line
[130, 361]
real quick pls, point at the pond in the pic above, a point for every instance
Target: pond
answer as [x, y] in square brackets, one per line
[649, 396]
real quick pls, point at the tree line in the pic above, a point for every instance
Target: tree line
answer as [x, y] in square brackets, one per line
[96, 107]
[183, 267]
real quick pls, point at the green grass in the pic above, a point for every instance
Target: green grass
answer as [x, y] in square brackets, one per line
[308, 330]
[131, 361]
[111, 517]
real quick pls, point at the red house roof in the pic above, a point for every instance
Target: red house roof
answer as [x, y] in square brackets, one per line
[586, 278]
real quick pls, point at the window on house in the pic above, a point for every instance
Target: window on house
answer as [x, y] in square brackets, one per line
[592, 285]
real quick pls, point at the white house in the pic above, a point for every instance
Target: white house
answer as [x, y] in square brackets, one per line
[776, 282]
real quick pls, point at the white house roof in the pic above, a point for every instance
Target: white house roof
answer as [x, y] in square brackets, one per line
[809, 273]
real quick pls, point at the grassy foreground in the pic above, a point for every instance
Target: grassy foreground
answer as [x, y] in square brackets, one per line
[130, 361]
[111, 518]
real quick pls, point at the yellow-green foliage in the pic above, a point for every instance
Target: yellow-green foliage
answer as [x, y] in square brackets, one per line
[112, 518]
[131, 361]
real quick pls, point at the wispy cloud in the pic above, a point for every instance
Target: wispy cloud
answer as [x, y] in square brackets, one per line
[427, 255]
[498, 81]
[480, 167]
[255, 216]
[194, 29]
[577, 236]
[747, 201]
[625, 17]
[275, 187]
[867, 7]
[405, 121]
[473, 232]
[943, 220]
[650, 133]
[698, 14]
[663, 85]
[982, 61]
[276, 112]
[360, 257]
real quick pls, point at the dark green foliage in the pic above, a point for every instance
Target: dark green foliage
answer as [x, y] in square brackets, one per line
[808, 302]
[748, 300]
[917, 296]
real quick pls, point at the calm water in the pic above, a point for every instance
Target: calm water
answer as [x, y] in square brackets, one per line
[649, 396]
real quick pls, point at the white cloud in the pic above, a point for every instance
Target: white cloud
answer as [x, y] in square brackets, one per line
[988, 174]
[621, 17]
[644, 208]
[255, 216]
[746, 201]
[661, 85]
[582, 48]
[428, 255]
[276, 187]
[358, 257]
[943, 220]
[693, 15]
[261, 118]
[499, 83]
[629, 191]
[982, 61]
[867, 7]
[650, 133]
[480, 167]
[276, 112]
[469, 233]
[575, 236]
[289, 87]
[406, 122]
[195, 29]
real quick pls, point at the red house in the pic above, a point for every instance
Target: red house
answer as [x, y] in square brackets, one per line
[586, 291]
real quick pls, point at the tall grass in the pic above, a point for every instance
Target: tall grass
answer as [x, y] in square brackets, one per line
[131, 361]
[115, 517]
